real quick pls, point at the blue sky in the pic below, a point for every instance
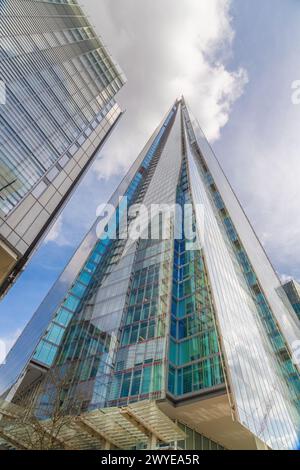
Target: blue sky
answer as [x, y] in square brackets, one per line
[259, 148]
[250, 48]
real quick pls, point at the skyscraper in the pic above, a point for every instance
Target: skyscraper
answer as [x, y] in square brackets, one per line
[171, 298]
[57, 109]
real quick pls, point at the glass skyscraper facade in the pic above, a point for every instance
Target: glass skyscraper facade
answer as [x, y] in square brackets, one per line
[60, 86]
[196, 321]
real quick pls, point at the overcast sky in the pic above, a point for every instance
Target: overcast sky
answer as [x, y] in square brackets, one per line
[235, 62]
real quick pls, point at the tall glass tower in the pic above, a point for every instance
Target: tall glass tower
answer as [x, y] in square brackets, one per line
[58, 86]
[182, 307]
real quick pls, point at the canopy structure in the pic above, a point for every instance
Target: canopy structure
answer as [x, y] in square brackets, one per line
[135, 425]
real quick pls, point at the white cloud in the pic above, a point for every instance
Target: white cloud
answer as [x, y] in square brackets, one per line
[6, 343]
[56, 234]
[265, 169]
[166, 48]
[285, 278]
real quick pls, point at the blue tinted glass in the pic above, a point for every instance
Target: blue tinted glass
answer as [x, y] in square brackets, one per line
[45, 353]
[85, 277]
[63, 317]
[55, 334]
[78, 289]
[71, 303]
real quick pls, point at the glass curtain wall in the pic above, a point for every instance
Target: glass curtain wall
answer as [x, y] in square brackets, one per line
[60, 83]
[98, 300]
[265, 382]
[194, 356]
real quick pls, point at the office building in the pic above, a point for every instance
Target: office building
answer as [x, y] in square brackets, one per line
[57, 107]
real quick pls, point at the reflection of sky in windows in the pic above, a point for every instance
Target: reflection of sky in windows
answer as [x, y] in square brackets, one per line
[264, 401]
[57, 85]
[2, 92]
[110, 300]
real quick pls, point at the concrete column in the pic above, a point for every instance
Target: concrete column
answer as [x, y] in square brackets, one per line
[107, 445]
[152, 442]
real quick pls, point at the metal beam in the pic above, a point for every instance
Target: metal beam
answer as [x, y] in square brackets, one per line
[13, 417]
[14, 442]
[92, 431]
[139, 423]
[9, 415]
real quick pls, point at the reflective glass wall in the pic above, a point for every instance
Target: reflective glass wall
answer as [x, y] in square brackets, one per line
[263, 379]
[60, 82]
[114, 347]
[195, 363]
[60, 86]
